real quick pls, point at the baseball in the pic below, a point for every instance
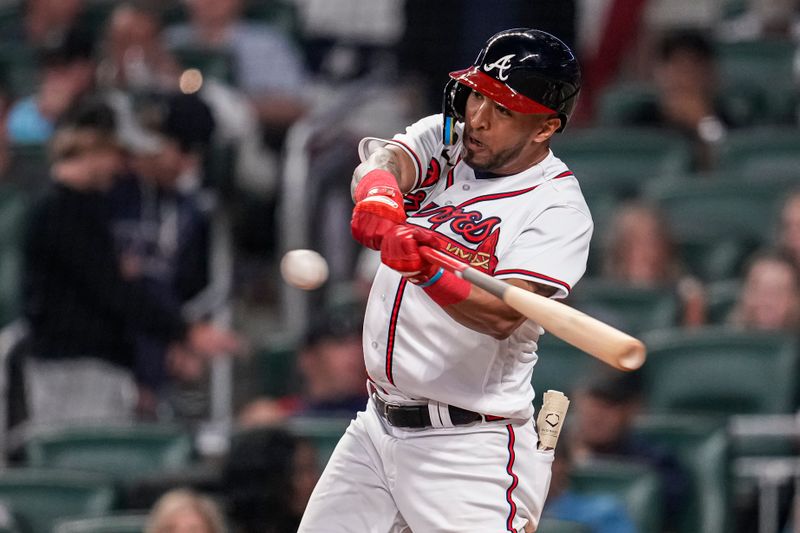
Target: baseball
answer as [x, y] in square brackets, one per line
[304, 269]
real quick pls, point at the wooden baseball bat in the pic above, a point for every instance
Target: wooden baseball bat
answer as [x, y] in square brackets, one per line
[594, 337]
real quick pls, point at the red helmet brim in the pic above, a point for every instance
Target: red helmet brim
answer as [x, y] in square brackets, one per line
[499, 92]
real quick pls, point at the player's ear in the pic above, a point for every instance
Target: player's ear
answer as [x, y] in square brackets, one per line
[547, 128]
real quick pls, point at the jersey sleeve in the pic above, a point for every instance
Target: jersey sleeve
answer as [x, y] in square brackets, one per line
[422, 141]
[552, 250]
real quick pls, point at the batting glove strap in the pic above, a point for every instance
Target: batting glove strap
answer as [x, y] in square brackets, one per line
[432, 280]
[445, 288]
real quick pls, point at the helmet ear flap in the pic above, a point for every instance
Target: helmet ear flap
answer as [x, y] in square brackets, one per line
[453, 107]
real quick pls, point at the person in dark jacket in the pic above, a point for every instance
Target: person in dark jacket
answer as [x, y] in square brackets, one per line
[80, 308]
[162, 230]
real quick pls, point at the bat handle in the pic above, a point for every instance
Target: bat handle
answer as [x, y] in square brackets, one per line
[440, 258]
[473, 275]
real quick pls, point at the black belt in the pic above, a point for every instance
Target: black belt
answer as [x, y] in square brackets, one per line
[418, 416]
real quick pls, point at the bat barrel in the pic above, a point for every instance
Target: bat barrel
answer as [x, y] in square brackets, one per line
[594, 337]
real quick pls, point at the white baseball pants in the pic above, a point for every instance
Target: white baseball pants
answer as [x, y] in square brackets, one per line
[483, 478]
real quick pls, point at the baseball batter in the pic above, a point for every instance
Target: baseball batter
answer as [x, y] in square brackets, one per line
[447, 442]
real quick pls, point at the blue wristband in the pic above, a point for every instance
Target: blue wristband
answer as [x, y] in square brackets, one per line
[434, 278]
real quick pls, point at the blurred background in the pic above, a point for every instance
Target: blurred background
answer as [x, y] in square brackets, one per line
[214, 135]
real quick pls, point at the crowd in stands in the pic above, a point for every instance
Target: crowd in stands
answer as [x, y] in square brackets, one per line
[149, 172]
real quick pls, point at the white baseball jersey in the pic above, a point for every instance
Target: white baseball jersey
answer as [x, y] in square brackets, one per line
[534, 225]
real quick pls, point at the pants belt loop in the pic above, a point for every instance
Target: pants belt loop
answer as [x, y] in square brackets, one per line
[440, 414]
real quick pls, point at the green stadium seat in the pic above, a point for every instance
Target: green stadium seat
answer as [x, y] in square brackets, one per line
[619, 104]
[323, 432]
[627, 104]
[716, 259]
[721, 371]
[721, 297]
[701, 447]
[638, 487]
[703, 209]
[733, 8]
[763, 65]
[717, 222]
[551, 525]
[621, 161]
[276, 369]
[756, 150]
[127, 453]
[11, 15]
[122, 523]
[39, 498]
[18, 66]
[631, 308]
[560, 366]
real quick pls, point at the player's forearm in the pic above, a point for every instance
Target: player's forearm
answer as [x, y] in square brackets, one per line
[488, 314]
[390, 159]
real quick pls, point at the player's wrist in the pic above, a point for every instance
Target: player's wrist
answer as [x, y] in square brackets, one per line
[428, 281]
[376, 182]
[379, 194]
[447, 288]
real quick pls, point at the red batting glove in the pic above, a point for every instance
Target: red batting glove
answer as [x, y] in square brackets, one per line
[379, 207]
[400, 251]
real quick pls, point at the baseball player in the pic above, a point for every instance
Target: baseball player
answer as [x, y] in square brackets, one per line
[447, 442]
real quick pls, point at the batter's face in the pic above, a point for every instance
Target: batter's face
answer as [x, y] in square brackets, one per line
[502, 141]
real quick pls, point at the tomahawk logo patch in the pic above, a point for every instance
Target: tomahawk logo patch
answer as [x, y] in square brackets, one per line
[502, 65]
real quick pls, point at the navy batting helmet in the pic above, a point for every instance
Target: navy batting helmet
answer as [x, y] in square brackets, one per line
[525, 70]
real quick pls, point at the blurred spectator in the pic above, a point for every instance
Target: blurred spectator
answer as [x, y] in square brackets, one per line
[685, 75]
[605, 406]
[267, 480]
[134, 56]
[80, 308]
[601, 513]
[640, 251]
[770, 296]
[136, 60]
[184, 511]
[67, 79]
[763, 19]
[267, 66]
[162, 233]
[331, 366]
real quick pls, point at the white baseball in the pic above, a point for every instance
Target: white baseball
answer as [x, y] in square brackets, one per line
[304, 269]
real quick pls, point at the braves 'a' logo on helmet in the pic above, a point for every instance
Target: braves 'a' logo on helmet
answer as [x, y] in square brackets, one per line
[502, 65]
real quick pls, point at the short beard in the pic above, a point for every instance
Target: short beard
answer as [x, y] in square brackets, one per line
[496, 161]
